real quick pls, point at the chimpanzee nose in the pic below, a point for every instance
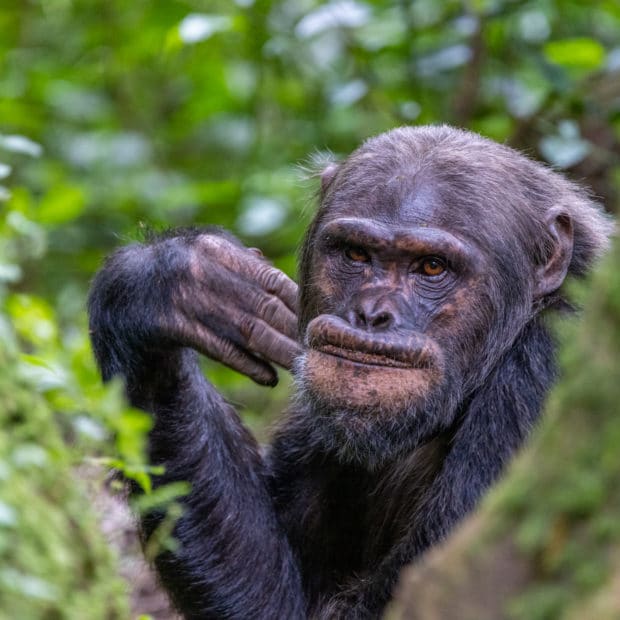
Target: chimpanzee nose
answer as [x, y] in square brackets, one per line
[372, 314]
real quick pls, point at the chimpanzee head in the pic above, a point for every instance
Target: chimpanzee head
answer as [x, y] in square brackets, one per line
[431, 251]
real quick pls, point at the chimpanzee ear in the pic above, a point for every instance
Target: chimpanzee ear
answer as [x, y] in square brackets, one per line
[327, 176]
[549, 277]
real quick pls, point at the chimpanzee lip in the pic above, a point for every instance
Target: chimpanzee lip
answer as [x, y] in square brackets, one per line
[359, 357]
[334, 336]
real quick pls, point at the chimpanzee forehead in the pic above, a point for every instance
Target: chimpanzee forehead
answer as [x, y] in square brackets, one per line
[413, 197]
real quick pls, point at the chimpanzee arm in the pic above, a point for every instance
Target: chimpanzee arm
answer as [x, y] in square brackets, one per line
[149, 307]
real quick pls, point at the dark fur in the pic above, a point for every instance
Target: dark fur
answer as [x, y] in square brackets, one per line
[323, 524]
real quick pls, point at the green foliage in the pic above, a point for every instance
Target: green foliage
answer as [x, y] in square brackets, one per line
[578, 53]
[54, 563]
[120, 116]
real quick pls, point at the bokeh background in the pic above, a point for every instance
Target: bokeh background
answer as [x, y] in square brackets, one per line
[118, 117]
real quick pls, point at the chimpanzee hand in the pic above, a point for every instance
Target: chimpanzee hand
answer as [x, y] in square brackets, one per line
[234, 307]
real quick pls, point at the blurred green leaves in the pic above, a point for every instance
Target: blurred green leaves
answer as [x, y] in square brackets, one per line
[120, 117]
[63, 204]
[578, 53]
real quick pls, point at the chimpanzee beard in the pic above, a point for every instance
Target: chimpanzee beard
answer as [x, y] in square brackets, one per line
[370, 439]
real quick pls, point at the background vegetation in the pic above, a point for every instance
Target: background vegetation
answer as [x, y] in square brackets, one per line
[118, 116]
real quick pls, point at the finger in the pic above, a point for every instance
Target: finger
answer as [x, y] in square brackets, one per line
[231, 355]
[273, 311]
[278, 283]
[250, 263]
[269, 343]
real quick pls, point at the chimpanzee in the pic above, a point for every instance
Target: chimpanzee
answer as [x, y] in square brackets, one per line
[420, 353]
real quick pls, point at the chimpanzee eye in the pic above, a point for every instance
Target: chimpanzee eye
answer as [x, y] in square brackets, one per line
[433, 266]
[357, 255]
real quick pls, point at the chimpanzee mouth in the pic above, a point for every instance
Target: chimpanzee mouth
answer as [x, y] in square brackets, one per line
[333, 336]
[371, 359]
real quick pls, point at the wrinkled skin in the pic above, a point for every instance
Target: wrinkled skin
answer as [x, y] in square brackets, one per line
[398, 294]
[233, 304]
[419, 351]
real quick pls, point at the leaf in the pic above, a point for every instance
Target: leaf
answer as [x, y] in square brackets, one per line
[33, 318]
[337, 14]
[28, 585]
[10, 272]
[62, 204]
[21, 144]
[33, 360]
[161, 497]
[197, 27]
[8, 515]
[567, 148]
[577, 53]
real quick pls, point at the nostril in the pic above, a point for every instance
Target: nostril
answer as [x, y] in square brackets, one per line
[383, 319]
[370, 318]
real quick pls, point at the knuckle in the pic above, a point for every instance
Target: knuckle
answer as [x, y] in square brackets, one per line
[247, 328]
[210, 242]
[227, 351]
[217, 249]
[268, 308]
[273, 281]
[268, 277]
